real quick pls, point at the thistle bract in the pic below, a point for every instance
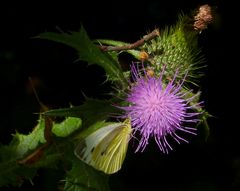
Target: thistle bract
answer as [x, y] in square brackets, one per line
[158, 110]
[176, 48]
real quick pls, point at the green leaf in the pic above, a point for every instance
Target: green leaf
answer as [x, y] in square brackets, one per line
[84, 178]
[49, 160]
[91, 111]
[88, 51]
[135, 53]
[66, 127]
[23, 143]
[10, 172]
[13, 172]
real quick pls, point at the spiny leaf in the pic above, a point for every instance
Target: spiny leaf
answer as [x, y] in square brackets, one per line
[87, 51]
[91, 111]
[29, 142]
[66, 127]
[10, 172]
[22, 157]
[49, 159]
[13, 174]
[84, 178]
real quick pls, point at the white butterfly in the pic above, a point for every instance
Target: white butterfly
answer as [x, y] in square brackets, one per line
[106, 148]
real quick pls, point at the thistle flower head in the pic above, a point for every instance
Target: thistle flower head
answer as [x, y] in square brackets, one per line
[158, 110]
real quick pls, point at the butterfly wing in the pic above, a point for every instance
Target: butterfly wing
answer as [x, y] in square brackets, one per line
[85, 148]
[106, 148]
[110, 153]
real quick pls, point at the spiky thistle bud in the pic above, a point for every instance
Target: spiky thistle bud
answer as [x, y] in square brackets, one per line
[176, 48]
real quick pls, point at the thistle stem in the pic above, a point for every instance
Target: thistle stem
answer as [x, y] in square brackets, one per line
[134, 45]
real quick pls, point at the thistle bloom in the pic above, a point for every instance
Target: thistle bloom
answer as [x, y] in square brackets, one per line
[158, 110]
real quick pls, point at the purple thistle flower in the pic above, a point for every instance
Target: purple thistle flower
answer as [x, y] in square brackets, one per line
[158, 110]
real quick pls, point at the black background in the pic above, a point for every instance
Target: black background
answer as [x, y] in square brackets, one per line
[200, 165]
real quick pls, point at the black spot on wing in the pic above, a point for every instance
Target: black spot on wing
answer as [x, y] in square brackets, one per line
[103, 152]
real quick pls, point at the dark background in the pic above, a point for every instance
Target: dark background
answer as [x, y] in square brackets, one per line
[59, 80]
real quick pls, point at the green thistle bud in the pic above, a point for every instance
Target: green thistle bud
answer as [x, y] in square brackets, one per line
[176, 48]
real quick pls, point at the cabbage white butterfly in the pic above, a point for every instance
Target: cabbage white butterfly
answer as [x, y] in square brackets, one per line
[106, 148]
